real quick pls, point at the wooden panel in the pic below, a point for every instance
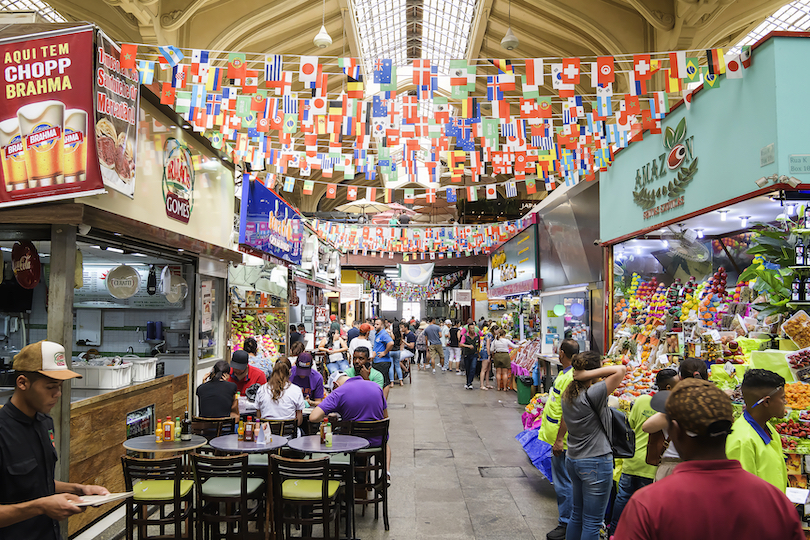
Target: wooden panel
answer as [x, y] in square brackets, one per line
[98, 432]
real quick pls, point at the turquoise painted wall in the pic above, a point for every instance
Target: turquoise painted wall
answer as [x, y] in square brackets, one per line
[730, 126]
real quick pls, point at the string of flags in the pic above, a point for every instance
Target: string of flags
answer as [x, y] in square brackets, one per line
[277, 119]
[415, 242]
[409, 291]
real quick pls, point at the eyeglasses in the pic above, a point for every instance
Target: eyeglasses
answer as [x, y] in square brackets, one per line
[766, 397]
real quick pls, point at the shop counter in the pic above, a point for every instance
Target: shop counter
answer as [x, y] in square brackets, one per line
[98, 429]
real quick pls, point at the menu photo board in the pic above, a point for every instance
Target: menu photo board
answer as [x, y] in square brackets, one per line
[268, 224]
[513, 266]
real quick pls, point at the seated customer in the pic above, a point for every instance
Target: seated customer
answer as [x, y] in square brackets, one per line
[308, 379]
[362, 367]
[248, 378]
[217, 396]
[280, 399]
[355, 400]
[257, 358]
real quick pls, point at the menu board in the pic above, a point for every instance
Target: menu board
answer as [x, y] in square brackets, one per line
[94, 293]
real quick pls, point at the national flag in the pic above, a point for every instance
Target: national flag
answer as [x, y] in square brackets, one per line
[146, 72]
[354, 89]
[291, 123]
[745, 56]
[493, 90]
[637, 86]
[409, 196]
[659, 106]
[258, 102]
[350, 67]
[506, 82]
[570, 72]
[642, 67]
[712, 80]
[236, 65]
[470, 108]
[511, 189]
[677, 65]
[229, 95]
[534, 71]
[242, 108]
[530, 186]
[213, 104]
[564, 90]
[250, 82]
[603, 106]
[129, 52]
[734, 67]
[351, 193]
[273, 67]
[331, 191]
[308, 70]
[198, 95]
[421, 72]
[308, 187]
[289, 184]
[529, 108]
[687, 99]
[371, 193]
[451, 194]
[382, 71]
[317, 106]
[172, 54]
[379, 108]
[605, 69]
[462, 74]
[673, 84]
[715, 62]
[544, 107]
[472, 193]
[388, 196]
[430, 195]
[213, 82]
[167, 94]
[182, 102]
[492, 191]
[692, 69]
[180, 76]
[504, 66]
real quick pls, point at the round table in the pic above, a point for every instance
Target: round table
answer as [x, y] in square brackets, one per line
[231, 443]
[146, 444]
[348, 444]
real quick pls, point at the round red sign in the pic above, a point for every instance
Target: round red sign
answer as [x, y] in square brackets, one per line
[26, 265]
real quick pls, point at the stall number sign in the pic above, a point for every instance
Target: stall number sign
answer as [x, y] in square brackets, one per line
[654, 183]
[799, 163]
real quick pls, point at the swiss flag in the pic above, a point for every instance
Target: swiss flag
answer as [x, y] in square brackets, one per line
[331, 190]
[605, 70]
[642, 66]
[570, 71]
[351, 193]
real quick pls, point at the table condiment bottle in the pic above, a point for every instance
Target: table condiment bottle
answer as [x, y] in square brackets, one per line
[159, 432]
[327, 430]
[323, 431]
[177, 429]
[249, 429]
[168, 429]
[241, 431]
[185, 430]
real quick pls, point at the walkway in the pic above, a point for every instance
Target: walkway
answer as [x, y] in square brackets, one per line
[457, 470]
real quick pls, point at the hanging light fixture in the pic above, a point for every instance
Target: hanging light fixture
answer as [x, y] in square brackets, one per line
[323, 39]
[510, 40]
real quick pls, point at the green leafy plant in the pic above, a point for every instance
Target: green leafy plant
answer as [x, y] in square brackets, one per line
[773, 277]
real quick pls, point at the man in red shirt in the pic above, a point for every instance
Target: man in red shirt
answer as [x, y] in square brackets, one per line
[248, 379]
[724, 501]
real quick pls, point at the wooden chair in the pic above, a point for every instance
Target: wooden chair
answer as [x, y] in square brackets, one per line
[303, 495]
[211, 428]
[224, 481]
[370, 466]
[157, 482]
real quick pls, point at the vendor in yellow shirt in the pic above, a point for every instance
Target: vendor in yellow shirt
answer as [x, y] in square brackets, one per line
[754, 442]
[553, 432]
[636, 473]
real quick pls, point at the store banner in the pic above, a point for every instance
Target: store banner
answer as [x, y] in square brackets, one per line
[513, 266]
[44, 130]
[117, 94]
[268, 224]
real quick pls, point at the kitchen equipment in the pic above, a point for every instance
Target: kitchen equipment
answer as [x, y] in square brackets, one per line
[102, 377]
[123, 282]
[151, 334]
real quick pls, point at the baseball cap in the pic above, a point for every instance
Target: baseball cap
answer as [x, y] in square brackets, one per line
[304, 360]
[447, 321]
[365, 328]
[699, 407]
[330, 384]
[45, 357]
[239, 360]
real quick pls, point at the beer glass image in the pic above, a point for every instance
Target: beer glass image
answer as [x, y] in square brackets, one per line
[75, 158]
[41, 128]
[12, 155]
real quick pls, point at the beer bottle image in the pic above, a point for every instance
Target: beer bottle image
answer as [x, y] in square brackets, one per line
[75, 153]
[41, 128]
[12, 155]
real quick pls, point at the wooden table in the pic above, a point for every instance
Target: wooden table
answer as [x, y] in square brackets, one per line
[341, 444]
[146, 444]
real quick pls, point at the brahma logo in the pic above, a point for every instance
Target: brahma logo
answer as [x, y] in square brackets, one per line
[178, 180]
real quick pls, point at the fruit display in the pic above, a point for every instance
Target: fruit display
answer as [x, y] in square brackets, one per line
[799, 359]
[797, 328]
[793, 428]
[797, 396]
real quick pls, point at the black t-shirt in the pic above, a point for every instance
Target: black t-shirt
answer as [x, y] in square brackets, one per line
[27, 463]
[216, 398]
[295, 336]
[410, 338]
[453, 338]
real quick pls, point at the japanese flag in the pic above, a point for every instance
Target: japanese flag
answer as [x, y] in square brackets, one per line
[317, 106]
[734, 67]
[492, 192]
[308, 71]
[687, 99]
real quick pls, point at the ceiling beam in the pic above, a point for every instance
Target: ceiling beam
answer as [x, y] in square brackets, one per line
[479, 28]
[352, 34]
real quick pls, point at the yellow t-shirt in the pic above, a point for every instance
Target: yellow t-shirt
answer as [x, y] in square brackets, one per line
[764, 460]
[553, 409]
[637, 465]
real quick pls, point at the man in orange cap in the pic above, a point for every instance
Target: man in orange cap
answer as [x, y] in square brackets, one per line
[32, 501]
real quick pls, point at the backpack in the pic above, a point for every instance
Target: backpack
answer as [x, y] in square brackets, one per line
[621, 436]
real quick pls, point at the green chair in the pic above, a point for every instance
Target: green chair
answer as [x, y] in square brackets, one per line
[224, 481]
[303, 495]
[158, 482]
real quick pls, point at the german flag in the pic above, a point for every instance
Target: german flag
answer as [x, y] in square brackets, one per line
[715, 62]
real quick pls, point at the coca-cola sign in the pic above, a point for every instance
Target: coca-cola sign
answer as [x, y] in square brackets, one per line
[178, 180]
[26, 265]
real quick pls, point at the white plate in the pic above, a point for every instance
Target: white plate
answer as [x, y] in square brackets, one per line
[123, 282]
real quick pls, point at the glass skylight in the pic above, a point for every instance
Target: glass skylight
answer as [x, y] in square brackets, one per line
[43, 9]
[793, 17]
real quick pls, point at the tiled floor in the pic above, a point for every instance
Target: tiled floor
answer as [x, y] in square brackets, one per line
[457, 470]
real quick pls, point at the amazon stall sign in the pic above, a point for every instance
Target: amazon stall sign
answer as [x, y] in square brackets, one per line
[513, 266]
[268, 224]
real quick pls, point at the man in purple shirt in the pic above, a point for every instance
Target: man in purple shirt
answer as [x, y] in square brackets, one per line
[355, 399]
[307, 379]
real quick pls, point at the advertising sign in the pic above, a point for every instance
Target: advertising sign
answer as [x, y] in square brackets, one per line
[44, 130]
[268, 224]
[513, 266]
[116, 118]
[178, 180]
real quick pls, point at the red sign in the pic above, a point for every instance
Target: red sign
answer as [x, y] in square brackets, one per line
[515, 288]
[178, 180]
[26, 265]
[47, 83]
